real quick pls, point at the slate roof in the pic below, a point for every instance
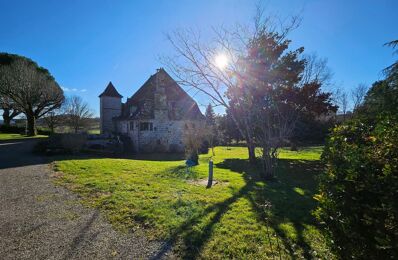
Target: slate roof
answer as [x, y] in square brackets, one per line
[110, 91]
[180, 105]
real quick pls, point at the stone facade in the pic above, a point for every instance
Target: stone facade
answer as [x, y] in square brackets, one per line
[110, 107]
[154, 117]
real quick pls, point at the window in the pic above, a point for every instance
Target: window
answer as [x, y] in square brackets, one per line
[146, 126]
[132, 110]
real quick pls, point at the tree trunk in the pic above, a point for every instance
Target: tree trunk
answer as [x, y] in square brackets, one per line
[268, 167]
[76, 126]
[249, 141]
[31, 119]
[252, 152]
[6, 117]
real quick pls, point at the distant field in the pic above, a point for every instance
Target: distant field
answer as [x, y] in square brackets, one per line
[94, 131]
[156, 194]
[7, 136]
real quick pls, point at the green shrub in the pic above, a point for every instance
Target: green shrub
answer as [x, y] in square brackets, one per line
[14, 129]
[43, 131]
[359, 191]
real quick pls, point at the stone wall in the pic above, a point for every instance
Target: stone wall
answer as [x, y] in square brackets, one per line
[165, 136]
[110, 107]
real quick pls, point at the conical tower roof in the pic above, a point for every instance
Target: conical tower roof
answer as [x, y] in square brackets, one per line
[110, 91]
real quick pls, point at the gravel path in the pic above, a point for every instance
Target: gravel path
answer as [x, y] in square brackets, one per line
[41, 221]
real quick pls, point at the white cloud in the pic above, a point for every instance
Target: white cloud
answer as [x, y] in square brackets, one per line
[73, 89]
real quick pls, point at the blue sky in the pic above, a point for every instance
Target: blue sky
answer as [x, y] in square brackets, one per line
[85, 44]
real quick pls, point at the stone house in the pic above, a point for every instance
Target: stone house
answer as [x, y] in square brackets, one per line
[154, 118]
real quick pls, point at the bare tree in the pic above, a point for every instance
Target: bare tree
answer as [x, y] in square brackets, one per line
[317, 70]
[214, 68]
[77, 113]
[54, 119]
[358, 95]
[193, 138]
[342, 101]
[32, 89]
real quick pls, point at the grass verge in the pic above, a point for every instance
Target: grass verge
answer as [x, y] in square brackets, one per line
[8, 136]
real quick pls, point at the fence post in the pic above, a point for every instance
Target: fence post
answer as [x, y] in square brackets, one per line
[210, 180]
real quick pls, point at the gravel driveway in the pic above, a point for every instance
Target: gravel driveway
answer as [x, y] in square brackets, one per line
[41, 221]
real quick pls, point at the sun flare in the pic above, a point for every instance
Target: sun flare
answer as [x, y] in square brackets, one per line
[221, 61]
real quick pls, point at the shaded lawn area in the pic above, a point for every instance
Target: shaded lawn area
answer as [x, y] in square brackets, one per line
[157, 195]
[8, 136]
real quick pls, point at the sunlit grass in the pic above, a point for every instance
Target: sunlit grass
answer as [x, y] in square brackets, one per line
[94, 131]
[158, 195]
[8, 136]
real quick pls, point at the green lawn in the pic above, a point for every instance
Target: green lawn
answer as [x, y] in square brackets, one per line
[7, 136]
[94, 131]
[155, 195]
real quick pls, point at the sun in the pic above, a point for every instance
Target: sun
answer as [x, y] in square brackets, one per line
[221, 61]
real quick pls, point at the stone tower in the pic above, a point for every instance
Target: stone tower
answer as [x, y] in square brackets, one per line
[110, 107]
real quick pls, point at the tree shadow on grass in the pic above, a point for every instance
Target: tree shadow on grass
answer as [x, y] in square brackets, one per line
[291, 198]
[194, 240]
[290, 194]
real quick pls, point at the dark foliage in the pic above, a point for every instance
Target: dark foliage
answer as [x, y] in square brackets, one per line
[227, 130]
[359, 192]
[210, 116]
[382, 98]
[211, 128]
[311, 131]
[12, 129]
[42, 131]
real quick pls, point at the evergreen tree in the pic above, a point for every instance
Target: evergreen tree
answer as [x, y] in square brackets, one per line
[210, 116]
[211, 127]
